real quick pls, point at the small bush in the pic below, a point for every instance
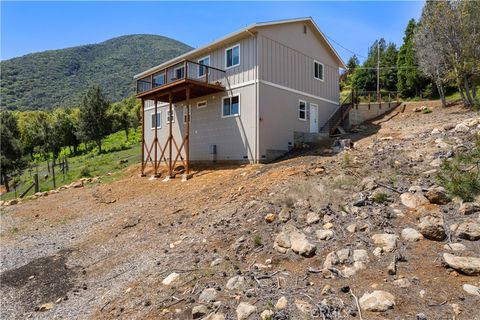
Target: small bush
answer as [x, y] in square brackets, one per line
[380, 197]
[461, 176]
[426, 111]
[269, 305]
[257, 241]
[85, 172]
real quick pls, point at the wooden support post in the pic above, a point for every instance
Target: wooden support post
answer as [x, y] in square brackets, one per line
[380, 101]
[398, 99]
[155, 141]
[142, 172]
[389, 100]
[35, 181]
[369, 99]
[53, 173]
[170, 137]
[187, 134]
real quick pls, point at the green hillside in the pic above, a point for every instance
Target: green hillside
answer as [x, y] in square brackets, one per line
[48, 79]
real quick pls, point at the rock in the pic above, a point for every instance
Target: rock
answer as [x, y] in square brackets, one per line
[421, 316]
[352, 227]
[324, 234]
[284, 215]
[468, 230]
[413, 200]
[327, 290]
[266, 315]
[208, 295]
[292, 238]
[312, 217]
[360, 255]
[377, 301]
[245, 310]
[236, 283]
[377, 252]
[437, 162]
[216, 262]
[238, 243]
[281, 303]
[387, 241]
[392, 268]
[77, 184]
[461, 128]
[304, 307]
[319, 170]
[342, 144]
[269, 218]
[431, 227]
[437, 196]
[170, 278]
[328, 225]
[454, 247]
[471, 289]
[402, 283]
[412, 235]
[199, 311]
[467, 265]
[469, 208]
[215, 316]
[46, 306]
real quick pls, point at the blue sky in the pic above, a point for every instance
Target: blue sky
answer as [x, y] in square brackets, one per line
[37, 26]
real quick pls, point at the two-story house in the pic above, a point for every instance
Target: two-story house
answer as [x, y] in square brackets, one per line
[241, 98]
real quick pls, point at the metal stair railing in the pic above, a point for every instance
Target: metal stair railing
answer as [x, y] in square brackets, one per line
[339, 115]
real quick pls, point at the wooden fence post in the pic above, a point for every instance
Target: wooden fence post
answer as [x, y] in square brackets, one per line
[35, 181]
[53, 173]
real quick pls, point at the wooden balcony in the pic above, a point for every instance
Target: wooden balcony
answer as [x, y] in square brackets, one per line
[174, 79]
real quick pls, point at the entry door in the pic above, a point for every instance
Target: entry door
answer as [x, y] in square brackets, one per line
[313, 117]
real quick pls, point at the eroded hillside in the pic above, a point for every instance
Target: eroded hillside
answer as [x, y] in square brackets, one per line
[313, 236]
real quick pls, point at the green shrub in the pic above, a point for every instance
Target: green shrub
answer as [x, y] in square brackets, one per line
[380, 197]
[426, 111]
[257, 241]
[461, 176]
[85, 172]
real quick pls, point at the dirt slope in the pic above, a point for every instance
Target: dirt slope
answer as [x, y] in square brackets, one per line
[102, 251]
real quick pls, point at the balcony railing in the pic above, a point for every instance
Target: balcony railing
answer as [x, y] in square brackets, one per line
[179, 72]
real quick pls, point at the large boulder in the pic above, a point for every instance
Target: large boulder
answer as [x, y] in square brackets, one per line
[245, 310]
[467, 265]
[437, 196]
[377, 301]
[468, 230]
[469, 208]
[413, 200]
[294, 239]
[387, 241]
[431, 226]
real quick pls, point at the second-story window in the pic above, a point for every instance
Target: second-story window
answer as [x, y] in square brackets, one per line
[205, 61]
[318, 70]
[179, 72]
[232, 56]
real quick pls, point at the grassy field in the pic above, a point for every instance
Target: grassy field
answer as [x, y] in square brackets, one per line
[118, 153]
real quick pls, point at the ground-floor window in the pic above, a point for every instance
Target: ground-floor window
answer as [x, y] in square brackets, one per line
[201, 104]
[302, 110]
[159, 120]
[231, 106]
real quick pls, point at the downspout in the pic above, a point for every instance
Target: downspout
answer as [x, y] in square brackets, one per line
[255, 60]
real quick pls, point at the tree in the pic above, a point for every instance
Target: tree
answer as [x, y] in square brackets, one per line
[64, 128]
[430, 50]
[35, 132]
[94, 123]
[365, 78]
[409, 80]
[11, 150]
[388, 71]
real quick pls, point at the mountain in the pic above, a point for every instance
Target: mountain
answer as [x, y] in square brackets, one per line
[48, 79]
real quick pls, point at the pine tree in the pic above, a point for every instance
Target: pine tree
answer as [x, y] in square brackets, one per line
[94, 123]
[410, 81]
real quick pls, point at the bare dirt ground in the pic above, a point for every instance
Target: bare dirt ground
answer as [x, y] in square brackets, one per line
[102, 251]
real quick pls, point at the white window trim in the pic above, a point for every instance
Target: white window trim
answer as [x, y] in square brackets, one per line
[239, 106]
[184, 115]
[203, 101]
[298, 110]
[323, 71]
[175, 72]
[239, 56]
[200, 66]
[159, 125]
[173, 115]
